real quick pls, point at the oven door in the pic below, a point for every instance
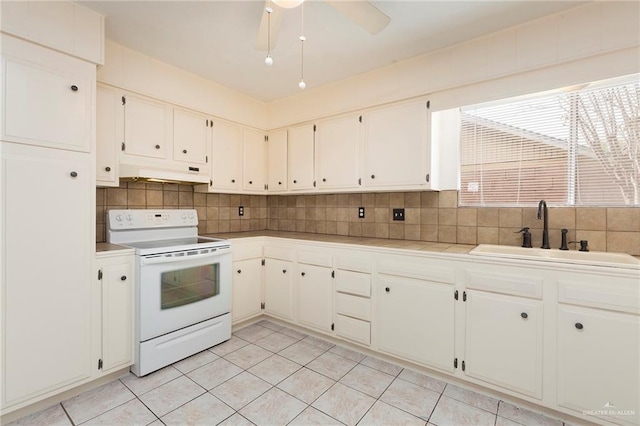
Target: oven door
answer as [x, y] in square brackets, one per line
[182, 289]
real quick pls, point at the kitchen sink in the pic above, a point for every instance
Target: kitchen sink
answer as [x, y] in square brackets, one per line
[599, 258]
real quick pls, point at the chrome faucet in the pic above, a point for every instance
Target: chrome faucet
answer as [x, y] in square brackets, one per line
[542, 209]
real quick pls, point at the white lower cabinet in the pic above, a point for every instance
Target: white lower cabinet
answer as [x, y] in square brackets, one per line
[415, 320]
[278, 288]
[45, 285]
[315, 290]
[503, 341]
[247, 289]
[353, 305]
[599, 362]
[116, 288]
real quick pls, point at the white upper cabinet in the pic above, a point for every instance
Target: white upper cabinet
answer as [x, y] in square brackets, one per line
[226, 156]
[191, 137]
[254, 160]
[109, 135]
[277, 161]
[61, 25]
[396, 152]
[337, 147]
[146, 127]
[300, 157]
[47, 97]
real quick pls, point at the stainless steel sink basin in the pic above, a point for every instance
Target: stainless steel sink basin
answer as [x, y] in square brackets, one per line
[599, 258]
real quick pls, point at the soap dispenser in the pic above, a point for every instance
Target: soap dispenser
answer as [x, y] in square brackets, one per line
[526, 237]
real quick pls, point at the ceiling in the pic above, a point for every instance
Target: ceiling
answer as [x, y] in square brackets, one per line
[216, 39]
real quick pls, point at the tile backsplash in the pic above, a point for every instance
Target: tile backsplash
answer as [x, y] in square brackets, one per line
[429, 216]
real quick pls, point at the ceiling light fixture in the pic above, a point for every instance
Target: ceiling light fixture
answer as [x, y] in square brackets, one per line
[288, 4]
[268, 60]
[302, 84]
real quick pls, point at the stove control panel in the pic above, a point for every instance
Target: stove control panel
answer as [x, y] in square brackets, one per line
[149, 219]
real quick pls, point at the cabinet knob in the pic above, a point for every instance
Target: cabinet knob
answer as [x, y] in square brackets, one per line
[73, 174]
[184, 151]
[157, 146]
[284, 271]
[108, 169]
[303, 274]
[579, 326]
[233, 181]
[239, 271]
[279, 183]
[387, 289]
[373, 176]
[74, 88]
[250, 182]
[123, 278]
[324, 179]
[295, 181]
[524, 315]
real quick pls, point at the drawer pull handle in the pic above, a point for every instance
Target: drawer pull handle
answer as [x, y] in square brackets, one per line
[74, 88]
[73, 174]
[233, 181]
[579, 326]
[524, 315]
[373, 176]
[157, 146]
[387, 289]
[184, 151]
[108, 169]
[123, 278]
[295, 181]
[194, 169]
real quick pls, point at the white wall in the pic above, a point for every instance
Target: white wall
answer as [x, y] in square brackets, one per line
[128, 69]
[590, 42]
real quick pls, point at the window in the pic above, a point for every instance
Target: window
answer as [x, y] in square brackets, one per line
[579, 146]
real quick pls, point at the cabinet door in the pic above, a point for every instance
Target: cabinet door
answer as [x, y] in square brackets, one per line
[300, 157]
[503, 341]
[397, 146]
[191, 137]
[247, 289]
[45, 287]
[117, 316]
[109, 135]
[277, 161]
[415, 320]
[338, 153]
[254, 160]
[146, 127]
[227, 155]
[278, 289]
[598, 368]
[314, 296]
[47, 98]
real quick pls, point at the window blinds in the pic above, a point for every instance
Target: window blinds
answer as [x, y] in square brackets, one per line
[578, 147]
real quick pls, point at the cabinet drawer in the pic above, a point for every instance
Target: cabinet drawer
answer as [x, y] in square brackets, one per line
[353, 263]
[353, 283]
[353, 306]
[515, 285]
[314, 258]
[282, 253]
[353, 329]
[242, 252]
[620, 294]
[417, 267]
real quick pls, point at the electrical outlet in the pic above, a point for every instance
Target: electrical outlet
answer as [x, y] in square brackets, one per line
[241, 211]
[361, 212]
[398, 214]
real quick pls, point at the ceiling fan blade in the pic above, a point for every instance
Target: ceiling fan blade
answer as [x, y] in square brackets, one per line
[362, 13]
[263, 31]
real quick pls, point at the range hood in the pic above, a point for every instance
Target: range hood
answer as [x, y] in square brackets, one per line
[135, 173]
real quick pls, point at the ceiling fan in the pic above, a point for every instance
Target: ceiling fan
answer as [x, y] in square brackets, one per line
[361, 12]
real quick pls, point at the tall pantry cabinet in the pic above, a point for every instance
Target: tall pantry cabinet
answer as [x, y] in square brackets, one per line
[47, 200]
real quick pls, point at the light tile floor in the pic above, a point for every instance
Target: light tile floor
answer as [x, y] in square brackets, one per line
[271, 375]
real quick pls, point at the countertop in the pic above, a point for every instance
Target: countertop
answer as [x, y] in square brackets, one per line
[103, 247]
[364, 241]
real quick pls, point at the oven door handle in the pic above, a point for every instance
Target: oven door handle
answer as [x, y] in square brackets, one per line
[159, 258]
